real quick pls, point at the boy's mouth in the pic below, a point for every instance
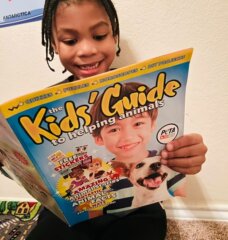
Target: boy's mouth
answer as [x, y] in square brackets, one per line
[91, 66]
[128, 146]
[88, 70]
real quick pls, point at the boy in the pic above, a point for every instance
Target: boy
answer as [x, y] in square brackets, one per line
[85, 35]
[127, 138]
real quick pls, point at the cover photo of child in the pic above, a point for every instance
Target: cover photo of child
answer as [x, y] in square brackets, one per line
[128, 139]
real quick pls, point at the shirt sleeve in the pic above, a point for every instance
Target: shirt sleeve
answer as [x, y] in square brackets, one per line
[3, 171]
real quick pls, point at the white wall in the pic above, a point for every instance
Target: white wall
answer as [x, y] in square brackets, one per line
[149, 29]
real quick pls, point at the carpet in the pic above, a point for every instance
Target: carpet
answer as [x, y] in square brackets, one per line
[197, 230]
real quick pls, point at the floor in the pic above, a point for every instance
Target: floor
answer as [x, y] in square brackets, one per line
[197, 230]
[16, 226]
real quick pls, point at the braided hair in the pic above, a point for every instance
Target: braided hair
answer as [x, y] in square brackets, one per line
[50, 8]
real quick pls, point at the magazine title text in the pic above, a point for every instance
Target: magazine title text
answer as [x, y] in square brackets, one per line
[47, 126]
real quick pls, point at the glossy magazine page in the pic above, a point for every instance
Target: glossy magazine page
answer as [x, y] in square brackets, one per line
[92, 146]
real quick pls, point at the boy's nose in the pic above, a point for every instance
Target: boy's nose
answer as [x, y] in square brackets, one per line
[127, 133]
[86, 48]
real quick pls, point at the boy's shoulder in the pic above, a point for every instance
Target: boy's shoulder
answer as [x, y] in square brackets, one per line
[71, 78]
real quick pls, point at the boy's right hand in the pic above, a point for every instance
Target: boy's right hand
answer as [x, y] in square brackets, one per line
[185, 154]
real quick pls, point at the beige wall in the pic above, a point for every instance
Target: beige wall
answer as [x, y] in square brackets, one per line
[150, 28]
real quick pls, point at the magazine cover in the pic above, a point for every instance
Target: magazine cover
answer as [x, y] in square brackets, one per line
[92, 146]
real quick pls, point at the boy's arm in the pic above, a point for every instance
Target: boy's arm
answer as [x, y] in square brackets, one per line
[185, 154]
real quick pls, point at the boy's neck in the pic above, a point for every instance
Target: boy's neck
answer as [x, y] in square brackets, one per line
[75, 78]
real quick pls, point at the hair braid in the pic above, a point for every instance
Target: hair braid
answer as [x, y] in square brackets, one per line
[111, 11]
[49, 11]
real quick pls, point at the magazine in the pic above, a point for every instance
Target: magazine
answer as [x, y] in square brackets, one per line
[91, 147]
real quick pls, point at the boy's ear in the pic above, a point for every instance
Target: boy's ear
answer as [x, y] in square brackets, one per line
[116, 38]
[53, 43]
[99, 141]
[55, 47]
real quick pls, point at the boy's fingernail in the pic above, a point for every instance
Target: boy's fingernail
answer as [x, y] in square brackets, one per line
[164, 162]
[164, 154]
[169, 146]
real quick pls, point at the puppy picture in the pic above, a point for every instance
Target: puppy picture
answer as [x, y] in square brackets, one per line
[149, 179]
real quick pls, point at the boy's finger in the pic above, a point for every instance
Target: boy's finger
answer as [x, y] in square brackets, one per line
[183, 162]
[186, 140]
[189, 151]
[188, 171]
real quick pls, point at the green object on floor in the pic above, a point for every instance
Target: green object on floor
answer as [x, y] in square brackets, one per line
[17, 219]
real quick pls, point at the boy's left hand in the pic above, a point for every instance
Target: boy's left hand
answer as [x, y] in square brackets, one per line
[185, 154]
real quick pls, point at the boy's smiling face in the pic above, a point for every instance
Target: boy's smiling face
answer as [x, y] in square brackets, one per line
[127, 139]
[83, 38]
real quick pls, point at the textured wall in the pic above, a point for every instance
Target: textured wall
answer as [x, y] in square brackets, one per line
[152, 28]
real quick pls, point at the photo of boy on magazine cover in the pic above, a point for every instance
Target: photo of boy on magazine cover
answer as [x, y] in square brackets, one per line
[127, 139]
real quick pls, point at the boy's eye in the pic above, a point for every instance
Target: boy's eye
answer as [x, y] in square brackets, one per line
[100, 37]
[113, 130]
[70, 42]
[139, 124]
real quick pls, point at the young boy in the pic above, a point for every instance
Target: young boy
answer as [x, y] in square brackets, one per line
[85, 35]
[127, 139]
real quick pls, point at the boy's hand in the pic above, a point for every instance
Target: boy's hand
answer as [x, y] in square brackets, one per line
[185, 154]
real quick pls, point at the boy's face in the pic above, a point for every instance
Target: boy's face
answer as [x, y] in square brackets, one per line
[83, 38]
[127, 138]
